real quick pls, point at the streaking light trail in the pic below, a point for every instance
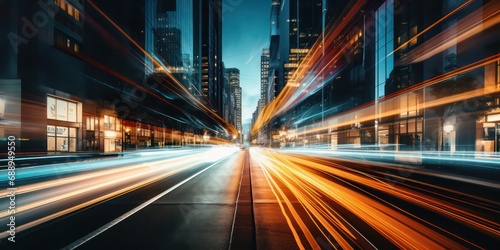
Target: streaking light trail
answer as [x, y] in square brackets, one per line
[321, 185]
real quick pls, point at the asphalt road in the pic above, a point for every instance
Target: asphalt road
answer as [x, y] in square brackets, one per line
[184, 201]
[227, 198]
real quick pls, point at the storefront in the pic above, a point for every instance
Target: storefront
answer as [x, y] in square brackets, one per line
[491, 133]
[112, 134]
[63, 118]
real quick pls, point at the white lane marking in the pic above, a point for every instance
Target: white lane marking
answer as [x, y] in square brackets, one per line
[112, 223]
[236, 203]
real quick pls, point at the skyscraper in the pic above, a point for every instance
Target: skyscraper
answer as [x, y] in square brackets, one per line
[300, 26]
[234, 83]
[168, 47]
[174, 39]
[264, 73]
[207, 50]
[274, 51]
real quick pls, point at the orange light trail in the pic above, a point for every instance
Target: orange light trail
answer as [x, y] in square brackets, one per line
[301, 175]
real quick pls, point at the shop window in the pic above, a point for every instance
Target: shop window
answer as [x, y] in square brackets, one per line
[408, 105]
[61, 139]
[51, 108]
[411, 126]
[71, 112]
[51, 138]
[62, 110]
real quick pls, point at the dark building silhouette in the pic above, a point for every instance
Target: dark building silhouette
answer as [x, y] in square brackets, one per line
[207, 64]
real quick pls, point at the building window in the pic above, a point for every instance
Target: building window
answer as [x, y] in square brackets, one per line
[62, 4]
[68, 43]
[68, 9]
[111, 123]
[409, 105]
[91, 121]
[62, 110]
[77, 15]
[61, 139]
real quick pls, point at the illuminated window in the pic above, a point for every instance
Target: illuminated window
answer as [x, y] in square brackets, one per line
[63, 5]
[112, 123]
[106, 122]
[70, 10]
[62, 110]
[76, 48]
[68, 43]
[77, 15]
[91, 121]
[61, 138]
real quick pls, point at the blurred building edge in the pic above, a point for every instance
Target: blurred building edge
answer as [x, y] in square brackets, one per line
[72, 81]
[398, 65]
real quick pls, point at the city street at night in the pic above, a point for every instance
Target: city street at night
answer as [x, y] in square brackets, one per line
[172, 200]
[250, 124]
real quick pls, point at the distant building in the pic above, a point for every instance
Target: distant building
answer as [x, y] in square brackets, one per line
[264, 73]
[233, 75]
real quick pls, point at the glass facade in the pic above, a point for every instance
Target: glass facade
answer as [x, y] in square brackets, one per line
[384, 46]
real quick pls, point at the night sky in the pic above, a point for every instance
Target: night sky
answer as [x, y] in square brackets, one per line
[245, 33]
